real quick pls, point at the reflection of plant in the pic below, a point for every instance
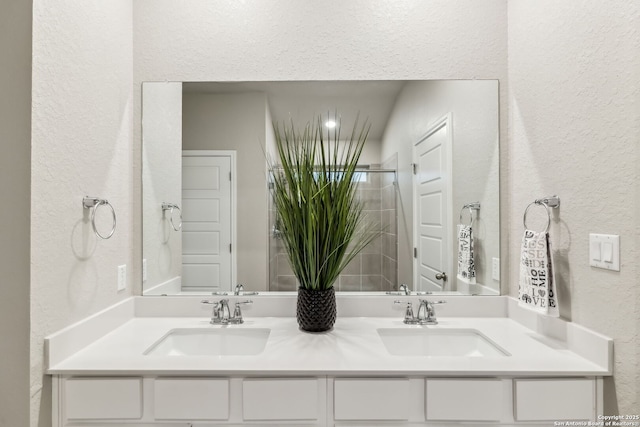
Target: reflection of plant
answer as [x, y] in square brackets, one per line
[321, 221]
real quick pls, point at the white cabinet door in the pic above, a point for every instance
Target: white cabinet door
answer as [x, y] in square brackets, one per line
[555, 399]
[191, 399]
[371, 399]
[103, 398]
[299, 399]
[452, 399]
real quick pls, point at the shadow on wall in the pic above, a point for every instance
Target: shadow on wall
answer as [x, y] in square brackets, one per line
[562, 267]
[610, 396]
[46, 403]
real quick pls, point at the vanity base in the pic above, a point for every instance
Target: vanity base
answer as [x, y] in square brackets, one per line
[322, 401]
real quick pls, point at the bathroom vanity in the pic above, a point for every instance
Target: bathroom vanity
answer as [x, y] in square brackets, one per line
[159, 362]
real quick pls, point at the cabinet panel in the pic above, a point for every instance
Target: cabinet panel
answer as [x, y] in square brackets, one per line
[103, 398]
[191, 399]
[371, 399]
[464, 399]
[560, 399]
[280, 399]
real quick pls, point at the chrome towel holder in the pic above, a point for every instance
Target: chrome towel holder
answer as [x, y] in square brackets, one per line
[171, 207]
[93, 203]
[471, 206]
[548, 202]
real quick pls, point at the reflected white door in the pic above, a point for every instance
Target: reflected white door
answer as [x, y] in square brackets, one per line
[432, 211]
[206, 223]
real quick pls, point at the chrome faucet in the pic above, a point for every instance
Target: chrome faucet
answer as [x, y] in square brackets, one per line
[426, 313]
[221, 314]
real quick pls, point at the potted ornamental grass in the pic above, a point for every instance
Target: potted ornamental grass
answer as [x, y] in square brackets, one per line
[321, 220]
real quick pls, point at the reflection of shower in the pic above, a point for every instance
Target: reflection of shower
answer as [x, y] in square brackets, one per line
[375, 269]
[274, 218]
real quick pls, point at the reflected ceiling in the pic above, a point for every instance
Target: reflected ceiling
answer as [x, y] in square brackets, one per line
[373, 100]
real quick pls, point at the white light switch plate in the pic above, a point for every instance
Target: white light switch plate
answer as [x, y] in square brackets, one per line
[604, 251]
[122, 277]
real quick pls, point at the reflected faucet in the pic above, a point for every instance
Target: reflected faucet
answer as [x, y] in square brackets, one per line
[404, 290]
[239, 290]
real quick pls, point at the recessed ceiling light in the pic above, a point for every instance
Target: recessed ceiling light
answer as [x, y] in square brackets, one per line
[330, 124]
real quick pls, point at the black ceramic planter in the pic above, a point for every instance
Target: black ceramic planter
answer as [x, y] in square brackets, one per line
[316, 310]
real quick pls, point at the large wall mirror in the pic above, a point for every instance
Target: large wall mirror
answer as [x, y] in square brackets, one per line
[429, 175]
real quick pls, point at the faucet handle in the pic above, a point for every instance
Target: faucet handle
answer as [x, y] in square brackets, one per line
[409, 318]
[237, 313]
[435, 302]
[215, 314]
[408, 314]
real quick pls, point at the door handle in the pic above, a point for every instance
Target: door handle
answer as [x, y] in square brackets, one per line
[442, 276]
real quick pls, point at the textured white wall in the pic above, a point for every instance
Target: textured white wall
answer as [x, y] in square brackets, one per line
[474, 108]
[200, 40]
[15, 193]
[81, 145]
[161, 180]
[574, 130]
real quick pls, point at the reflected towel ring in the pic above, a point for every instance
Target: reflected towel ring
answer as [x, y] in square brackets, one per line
[170, 207]
[471, 206]
[547, 202]
[95, 203]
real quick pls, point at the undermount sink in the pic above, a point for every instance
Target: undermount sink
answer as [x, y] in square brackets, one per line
[211, 342]
[439, 343]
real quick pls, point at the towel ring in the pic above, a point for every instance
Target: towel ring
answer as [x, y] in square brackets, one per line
[471, 206]
[547, 202]
[95, 203]
[170, 207]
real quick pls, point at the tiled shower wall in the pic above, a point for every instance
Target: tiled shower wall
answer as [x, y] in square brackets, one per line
[375, 268]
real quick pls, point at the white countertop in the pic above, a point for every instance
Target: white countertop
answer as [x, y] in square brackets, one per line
[352, 348]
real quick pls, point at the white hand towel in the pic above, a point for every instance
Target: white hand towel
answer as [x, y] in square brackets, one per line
[536, 287]
[466, 261]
